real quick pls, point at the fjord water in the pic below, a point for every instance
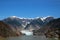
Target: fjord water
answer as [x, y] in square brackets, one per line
[29, 38]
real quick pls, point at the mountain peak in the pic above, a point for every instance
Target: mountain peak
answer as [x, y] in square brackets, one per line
[19, 17]
[13, 16]
[43, 18]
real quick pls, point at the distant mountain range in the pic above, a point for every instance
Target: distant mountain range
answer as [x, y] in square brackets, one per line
[12, 26]
[27, 23]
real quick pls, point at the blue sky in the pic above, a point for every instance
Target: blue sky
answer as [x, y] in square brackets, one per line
[29, 8]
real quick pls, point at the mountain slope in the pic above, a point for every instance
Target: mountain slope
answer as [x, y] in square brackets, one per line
[34, 24]
[38, 23]
[7, 30]
[27, 23]
[54, 28]
[16, 22]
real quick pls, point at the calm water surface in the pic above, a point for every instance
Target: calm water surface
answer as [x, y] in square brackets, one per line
[29, 38]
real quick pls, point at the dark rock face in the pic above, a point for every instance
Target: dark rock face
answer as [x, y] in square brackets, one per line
[54, 28]
[51, 29]
[48, 19]
[7, 30]
[13, 22]
[34, 24]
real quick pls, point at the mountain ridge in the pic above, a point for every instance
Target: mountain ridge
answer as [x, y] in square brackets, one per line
[22, 23]
[35, 25]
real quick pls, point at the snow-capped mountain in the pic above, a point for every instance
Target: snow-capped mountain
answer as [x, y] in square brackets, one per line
[17, 22]
[34, 24]
[47, 19]
[27, 23]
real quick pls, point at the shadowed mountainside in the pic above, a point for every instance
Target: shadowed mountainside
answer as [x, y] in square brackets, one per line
[54, 28]
[51, 29]
[7, 30]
